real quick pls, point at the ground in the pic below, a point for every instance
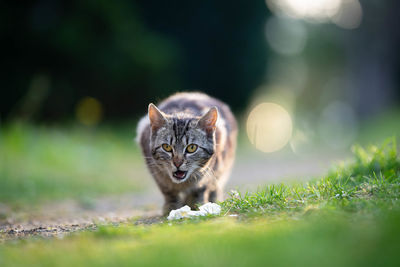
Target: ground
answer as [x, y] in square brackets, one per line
[347, 215]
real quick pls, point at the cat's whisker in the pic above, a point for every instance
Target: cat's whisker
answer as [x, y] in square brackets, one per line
[210, 173]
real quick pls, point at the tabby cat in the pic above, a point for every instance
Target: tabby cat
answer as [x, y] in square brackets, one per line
[188, 143]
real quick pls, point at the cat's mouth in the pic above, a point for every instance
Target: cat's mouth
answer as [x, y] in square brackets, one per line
[180, 175]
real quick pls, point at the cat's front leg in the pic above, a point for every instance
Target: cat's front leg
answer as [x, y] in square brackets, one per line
[172, 202]
[216, 195]
[197, 197]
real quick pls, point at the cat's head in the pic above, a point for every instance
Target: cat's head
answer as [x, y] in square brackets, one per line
[181, 145]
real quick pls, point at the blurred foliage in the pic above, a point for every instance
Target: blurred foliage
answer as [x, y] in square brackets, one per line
[378, 127]
[41, 163]
[126, 53]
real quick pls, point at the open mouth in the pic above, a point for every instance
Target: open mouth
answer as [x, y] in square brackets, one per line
[180, 175]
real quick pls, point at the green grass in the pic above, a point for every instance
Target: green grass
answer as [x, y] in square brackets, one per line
[374, 172]
[49, 163]
[350, 217]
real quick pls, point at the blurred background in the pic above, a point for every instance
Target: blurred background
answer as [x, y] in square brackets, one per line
[306, 79]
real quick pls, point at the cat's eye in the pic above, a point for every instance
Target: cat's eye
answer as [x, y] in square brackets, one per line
[167, 147]
[191, 148]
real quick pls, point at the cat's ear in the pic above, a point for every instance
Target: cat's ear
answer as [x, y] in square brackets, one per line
[209, 120]
[156, 117]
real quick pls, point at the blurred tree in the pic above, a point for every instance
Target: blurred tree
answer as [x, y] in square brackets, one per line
[96, 48]
[126, 54]
[224, 51]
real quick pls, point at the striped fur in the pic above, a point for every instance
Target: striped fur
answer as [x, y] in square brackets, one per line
[181, 120]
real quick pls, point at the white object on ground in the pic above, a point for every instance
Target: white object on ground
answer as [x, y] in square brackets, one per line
[186, 212]
[211, 208]
[179, 213]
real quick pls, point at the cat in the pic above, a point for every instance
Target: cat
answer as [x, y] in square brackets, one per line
[188, 144]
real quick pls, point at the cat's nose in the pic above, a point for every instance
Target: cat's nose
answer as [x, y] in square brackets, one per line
[177, 162]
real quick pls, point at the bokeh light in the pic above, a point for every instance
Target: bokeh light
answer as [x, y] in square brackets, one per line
[344, 13]
[350, 15]
[89, 111]
[314, 10]
[269, 127]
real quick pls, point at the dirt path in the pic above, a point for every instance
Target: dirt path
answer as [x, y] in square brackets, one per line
[60, 218]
